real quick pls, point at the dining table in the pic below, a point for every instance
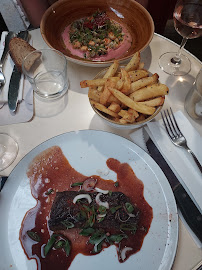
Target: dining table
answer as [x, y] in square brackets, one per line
[78, 114]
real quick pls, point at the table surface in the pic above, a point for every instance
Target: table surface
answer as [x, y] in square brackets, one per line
[78, 115]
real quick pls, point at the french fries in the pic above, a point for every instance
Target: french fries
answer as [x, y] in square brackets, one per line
[126, 95]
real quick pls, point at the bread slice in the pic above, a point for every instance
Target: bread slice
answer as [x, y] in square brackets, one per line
[19, 49]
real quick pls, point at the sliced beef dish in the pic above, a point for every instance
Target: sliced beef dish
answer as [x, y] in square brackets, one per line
[84, 214]
[118, 211]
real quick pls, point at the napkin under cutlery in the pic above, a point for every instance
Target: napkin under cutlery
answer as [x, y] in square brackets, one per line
[180, 161]
[8, 69]
[24, 111]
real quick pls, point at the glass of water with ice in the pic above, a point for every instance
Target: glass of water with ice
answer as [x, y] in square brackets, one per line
[46, 70]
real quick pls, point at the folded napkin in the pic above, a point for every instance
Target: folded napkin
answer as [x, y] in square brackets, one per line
[180, 161]
[7, 70]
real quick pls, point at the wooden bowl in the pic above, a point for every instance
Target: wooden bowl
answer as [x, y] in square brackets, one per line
[129, 13]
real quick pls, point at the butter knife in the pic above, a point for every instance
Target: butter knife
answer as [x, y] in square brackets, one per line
[15, 80]
[188, 208]
[3, 180]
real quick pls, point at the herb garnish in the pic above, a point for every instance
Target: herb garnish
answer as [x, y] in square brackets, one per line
[34, 236]
[129, 227]
[87, 231]
[61, 243]
[77, 184]
[116, 184]
[94, 35]
[49, 191]
[67, 224]
[129, 207]
[50, 243]
[117, 238]
[114, 209]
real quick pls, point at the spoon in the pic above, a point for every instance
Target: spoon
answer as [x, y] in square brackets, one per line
[9, 36]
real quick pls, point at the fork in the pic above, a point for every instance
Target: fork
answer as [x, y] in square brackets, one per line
[175, 133]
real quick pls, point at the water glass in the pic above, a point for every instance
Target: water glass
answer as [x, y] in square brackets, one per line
[193, 101]
[46, 70]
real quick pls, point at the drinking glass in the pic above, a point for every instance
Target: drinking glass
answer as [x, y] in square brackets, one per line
[46, 70]
[8, 150]
[188, 23]
[193, 100]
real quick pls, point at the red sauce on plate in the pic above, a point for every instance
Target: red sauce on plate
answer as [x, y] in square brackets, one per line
[51, 170]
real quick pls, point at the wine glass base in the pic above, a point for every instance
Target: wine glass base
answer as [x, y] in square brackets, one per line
[171, 68]
[8, 150]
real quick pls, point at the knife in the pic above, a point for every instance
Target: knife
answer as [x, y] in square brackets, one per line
[15, 80]
[2, 181]
[189, 210]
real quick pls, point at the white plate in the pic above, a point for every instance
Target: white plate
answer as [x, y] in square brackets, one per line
[87, 152]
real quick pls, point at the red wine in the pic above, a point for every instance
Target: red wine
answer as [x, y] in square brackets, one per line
[188, 20]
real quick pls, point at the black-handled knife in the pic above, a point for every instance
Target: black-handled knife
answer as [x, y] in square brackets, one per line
[189, 210]
[15, 80]
[2, 181]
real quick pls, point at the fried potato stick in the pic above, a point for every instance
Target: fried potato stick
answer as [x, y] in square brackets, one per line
[134, 62]
[154, 102]
[104, 109]
[114, 107]
[92, 83]
[110, 72]
[135, 75]
[105, 94]
[126, 81]
[94, 94]
[151, 91]
[144, 82]
[131, 104]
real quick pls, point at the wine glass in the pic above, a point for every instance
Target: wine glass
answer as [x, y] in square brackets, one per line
[8, 150]
[187, 17]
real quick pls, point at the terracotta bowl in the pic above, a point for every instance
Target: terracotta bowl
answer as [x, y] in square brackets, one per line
[107, 119]
[129, 13]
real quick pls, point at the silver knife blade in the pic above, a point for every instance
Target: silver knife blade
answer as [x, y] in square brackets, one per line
[14, 89]
[3, 180]
[15, 80]
[188, 208]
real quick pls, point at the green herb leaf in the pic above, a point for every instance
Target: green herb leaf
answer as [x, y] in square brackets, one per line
[87, 231]
[97, 237]
[67, 224]
[98, 247]
[117, 238]
[34, 236]
[49, 191]
[114, 209]
[77, 184]
[132, 227]
[83, 214]
[102, 209]
[59, 244]
[110, 193]
[67, 247]
[129, 207]
[116, 184]
[50, 243]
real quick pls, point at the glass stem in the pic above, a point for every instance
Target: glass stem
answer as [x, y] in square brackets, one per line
[177, 59]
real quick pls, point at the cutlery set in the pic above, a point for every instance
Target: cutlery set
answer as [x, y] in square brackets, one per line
[189, 210]
[16, 74]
